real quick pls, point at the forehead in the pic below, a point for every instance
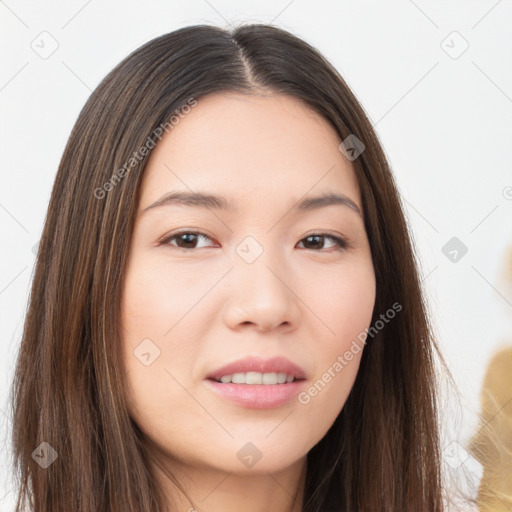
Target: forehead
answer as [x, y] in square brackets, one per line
[249, 147]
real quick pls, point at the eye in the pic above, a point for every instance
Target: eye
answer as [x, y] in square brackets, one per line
[188, 240]
[184, 239]
[318, 238]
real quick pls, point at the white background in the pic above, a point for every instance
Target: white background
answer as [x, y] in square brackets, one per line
[444, 122]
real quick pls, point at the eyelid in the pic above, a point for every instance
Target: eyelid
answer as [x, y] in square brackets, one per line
[171, 234]
[342, 242]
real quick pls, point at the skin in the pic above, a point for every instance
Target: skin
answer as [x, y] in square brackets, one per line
[205, 306]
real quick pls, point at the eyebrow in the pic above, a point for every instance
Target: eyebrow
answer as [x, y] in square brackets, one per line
[210, 201]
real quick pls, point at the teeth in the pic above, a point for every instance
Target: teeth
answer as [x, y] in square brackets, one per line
[257, 378]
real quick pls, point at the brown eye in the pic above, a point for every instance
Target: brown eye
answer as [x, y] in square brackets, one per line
[185, 239]
[317, 241]
[189, 240]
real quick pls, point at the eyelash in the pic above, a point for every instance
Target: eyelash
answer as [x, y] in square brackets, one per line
[341, 242]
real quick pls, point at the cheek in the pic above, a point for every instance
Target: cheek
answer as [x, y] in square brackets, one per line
[155, 361]
[344, 301]
[157, 297]
[345, 305]
[158, 377]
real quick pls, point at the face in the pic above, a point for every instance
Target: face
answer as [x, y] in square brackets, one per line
[260, 276]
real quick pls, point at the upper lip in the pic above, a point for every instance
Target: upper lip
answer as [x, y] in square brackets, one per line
[257, 364]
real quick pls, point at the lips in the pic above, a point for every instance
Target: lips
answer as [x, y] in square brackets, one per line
[260, 365]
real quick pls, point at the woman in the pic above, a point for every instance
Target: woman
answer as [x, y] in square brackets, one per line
[226, 310]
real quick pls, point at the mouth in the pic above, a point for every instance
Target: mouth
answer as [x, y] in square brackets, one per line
[258, 371]
[257, 378]
[258, 383]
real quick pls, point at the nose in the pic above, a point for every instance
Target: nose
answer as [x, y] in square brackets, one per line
[261, 294]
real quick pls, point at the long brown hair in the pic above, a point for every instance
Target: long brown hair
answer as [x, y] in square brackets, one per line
[381, 454]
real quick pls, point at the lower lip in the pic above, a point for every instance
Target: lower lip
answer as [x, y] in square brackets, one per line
[258, 396]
